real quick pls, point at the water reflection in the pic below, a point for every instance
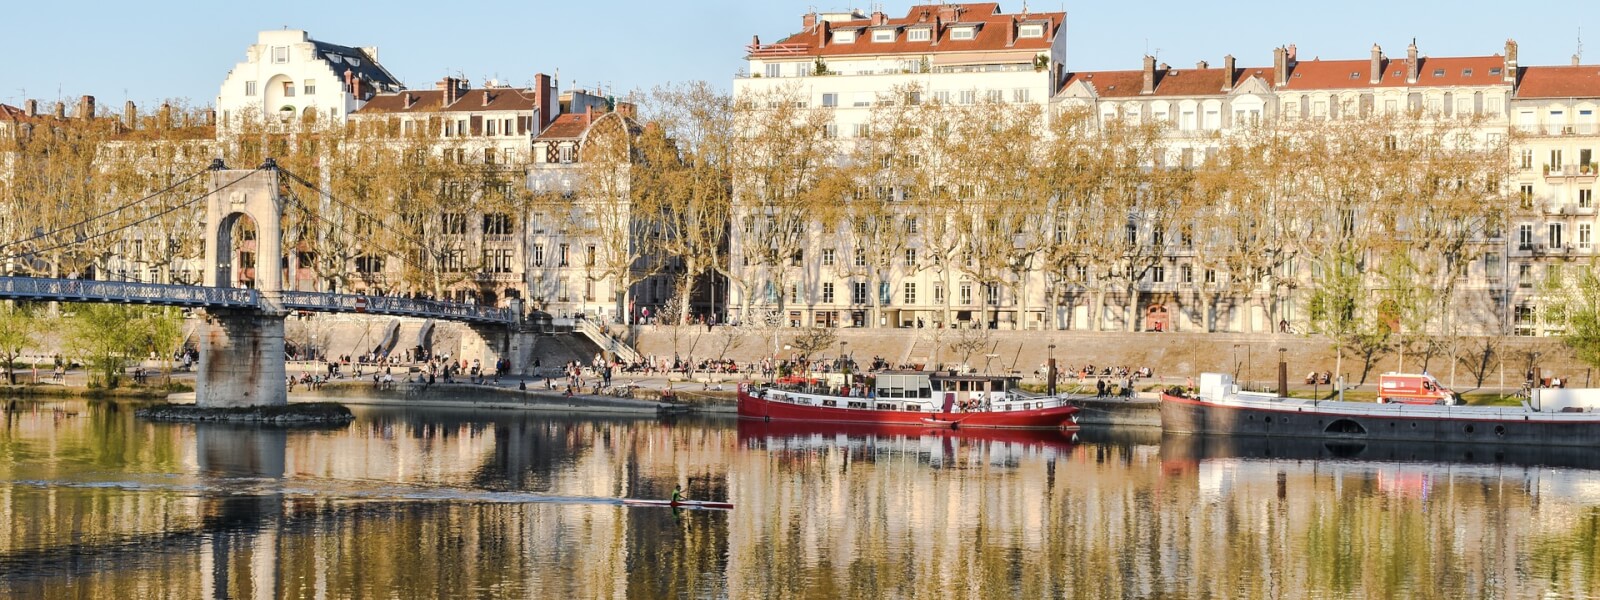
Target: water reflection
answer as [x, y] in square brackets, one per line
[425, 503]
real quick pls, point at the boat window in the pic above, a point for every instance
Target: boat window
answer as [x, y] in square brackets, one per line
[830, 403]
[885, 406]
[927, 393]
[858, 405]
[914, 407]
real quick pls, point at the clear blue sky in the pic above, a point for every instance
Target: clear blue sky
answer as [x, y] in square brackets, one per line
[183, 49]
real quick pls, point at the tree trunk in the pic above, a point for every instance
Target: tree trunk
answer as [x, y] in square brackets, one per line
[1097, 311]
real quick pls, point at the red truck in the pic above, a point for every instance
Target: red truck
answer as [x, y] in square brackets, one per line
[1411, 388]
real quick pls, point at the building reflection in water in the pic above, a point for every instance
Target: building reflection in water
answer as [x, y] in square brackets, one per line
[408, 503]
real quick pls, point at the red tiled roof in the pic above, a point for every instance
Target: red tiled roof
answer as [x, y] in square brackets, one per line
[1313, 74]
[568, 127]
[1560, 82]
[990, 36]
[1441, 71]
[472, 100]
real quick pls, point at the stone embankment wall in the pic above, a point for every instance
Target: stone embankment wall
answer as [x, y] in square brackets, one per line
[1169, 354]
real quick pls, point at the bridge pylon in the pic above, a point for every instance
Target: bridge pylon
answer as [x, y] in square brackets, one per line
[242, 349]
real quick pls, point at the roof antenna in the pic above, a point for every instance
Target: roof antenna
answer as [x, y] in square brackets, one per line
[1579, 54]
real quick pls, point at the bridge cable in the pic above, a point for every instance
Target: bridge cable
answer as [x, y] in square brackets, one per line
[104, 214]
[108, 232]
[426, 266]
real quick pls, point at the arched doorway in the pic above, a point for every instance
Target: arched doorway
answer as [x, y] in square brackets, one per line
[1156, 318]
[237, 238]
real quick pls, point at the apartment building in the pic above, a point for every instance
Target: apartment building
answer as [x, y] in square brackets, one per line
[286, 75]
[1554, 225]
[585, 241]
[847, 63]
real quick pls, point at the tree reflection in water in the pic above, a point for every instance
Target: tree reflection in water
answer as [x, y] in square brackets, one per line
[408, 503]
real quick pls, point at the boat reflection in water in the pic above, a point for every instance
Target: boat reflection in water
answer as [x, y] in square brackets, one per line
[935, 446]
[1395, 469]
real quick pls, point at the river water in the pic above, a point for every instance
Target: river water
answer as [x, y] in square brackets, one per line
[409, 503]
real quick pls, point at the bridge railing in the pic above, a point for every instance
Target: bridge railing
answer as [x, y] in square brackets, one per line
[87, 290]
[403, 307]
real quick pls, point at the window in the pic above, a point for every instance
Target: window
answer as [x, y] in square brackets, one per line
[1555, 230]
[1527, 158]
[567, 153]
[1524, 237]
[310, 87]
[827, 257]
[1585, 198]
[1555, 160]
[1492, 106]
[453, 223]
[537, 250]
[1031, 31]
[844, 37]
[963, 33]
[992, 292]
[883, 35]
[966, 292]
[995, 96]
[562, 256]
[830, 100]
[491, 128]
[969, 96]
[774, 70]
[249, 88]
[938, 293]
[288, 89]
[280, 55]
[1524, 275]
[1211, 275]
[911, 257]
[858, 292]
[1158, 274]
[589, 255]
[863, 130]
[827, 292]
[1021, 95]
[830, 131]
[497, 260]
[1438, 72]
[1585, 233]
[1186, 273]
[919, 35]
[794, 293]
[910, 293]
[488, 156]
[1526, 195]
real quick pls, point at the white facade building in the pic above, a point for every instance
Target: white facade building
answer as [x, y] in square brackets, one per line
[287, 74]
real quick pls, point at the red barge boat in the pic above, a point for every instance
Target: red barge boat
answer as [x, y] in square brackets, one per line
[919, 399]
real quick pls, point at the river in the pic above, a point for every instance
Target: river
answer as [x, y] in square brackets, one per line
[460, 503]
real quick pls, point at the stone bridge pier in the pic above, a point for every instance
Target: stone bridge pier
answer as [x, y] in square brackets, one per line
[242, 350]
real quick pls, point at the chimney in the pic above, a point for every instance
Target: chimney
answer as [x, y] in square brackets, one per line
[544, 100]
[588, 114]
[164, 118]
[130, 115]
[86, 108]
[808, 21]
[61, 110]
[1576, 59]
[1294, 55]
[211, 118]
[1280, 66]
[1511, 61]
[1202, 65]
[410, 100]
[1011, 31]
[1412, 66]
[371, 51]
[486, 97]
[1228, 64]
[1149, 75]
[947, 13]
[822, 34]
[32, 108]
[1376, 66]
[878, 18]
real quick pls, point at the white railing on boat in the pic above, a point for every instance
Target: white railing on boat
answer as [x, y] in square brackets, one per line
[930, 405]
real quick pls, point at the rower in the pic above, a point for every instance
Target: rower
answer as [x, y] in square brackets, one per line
[677, 494]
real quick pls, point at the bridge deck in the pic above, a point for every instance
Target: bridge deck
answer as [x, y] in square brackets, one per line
[124, 292]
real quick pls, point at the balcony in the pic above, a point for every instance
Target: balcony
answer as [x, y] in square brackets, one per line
[1558, 130]
[1579, 174]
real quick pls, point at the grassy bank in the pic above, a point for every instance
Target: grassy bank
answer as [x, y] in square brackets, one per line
[61, 391]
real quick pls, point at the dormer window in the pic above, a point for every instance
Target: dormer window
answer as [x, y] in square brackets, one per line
[844, 37]
[1031, 31]
[280, 55]
[1494, 72]
[963, 33]
[1438, 73]
[883, 35]
[919, 35]
[1466, 72]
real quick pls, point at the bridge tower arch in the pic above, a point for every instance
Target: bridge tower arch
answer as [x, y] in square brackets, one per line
[242, 349]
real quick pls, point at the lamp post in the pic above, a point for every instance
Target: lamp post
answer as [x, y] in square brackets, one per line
[1283, 373]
